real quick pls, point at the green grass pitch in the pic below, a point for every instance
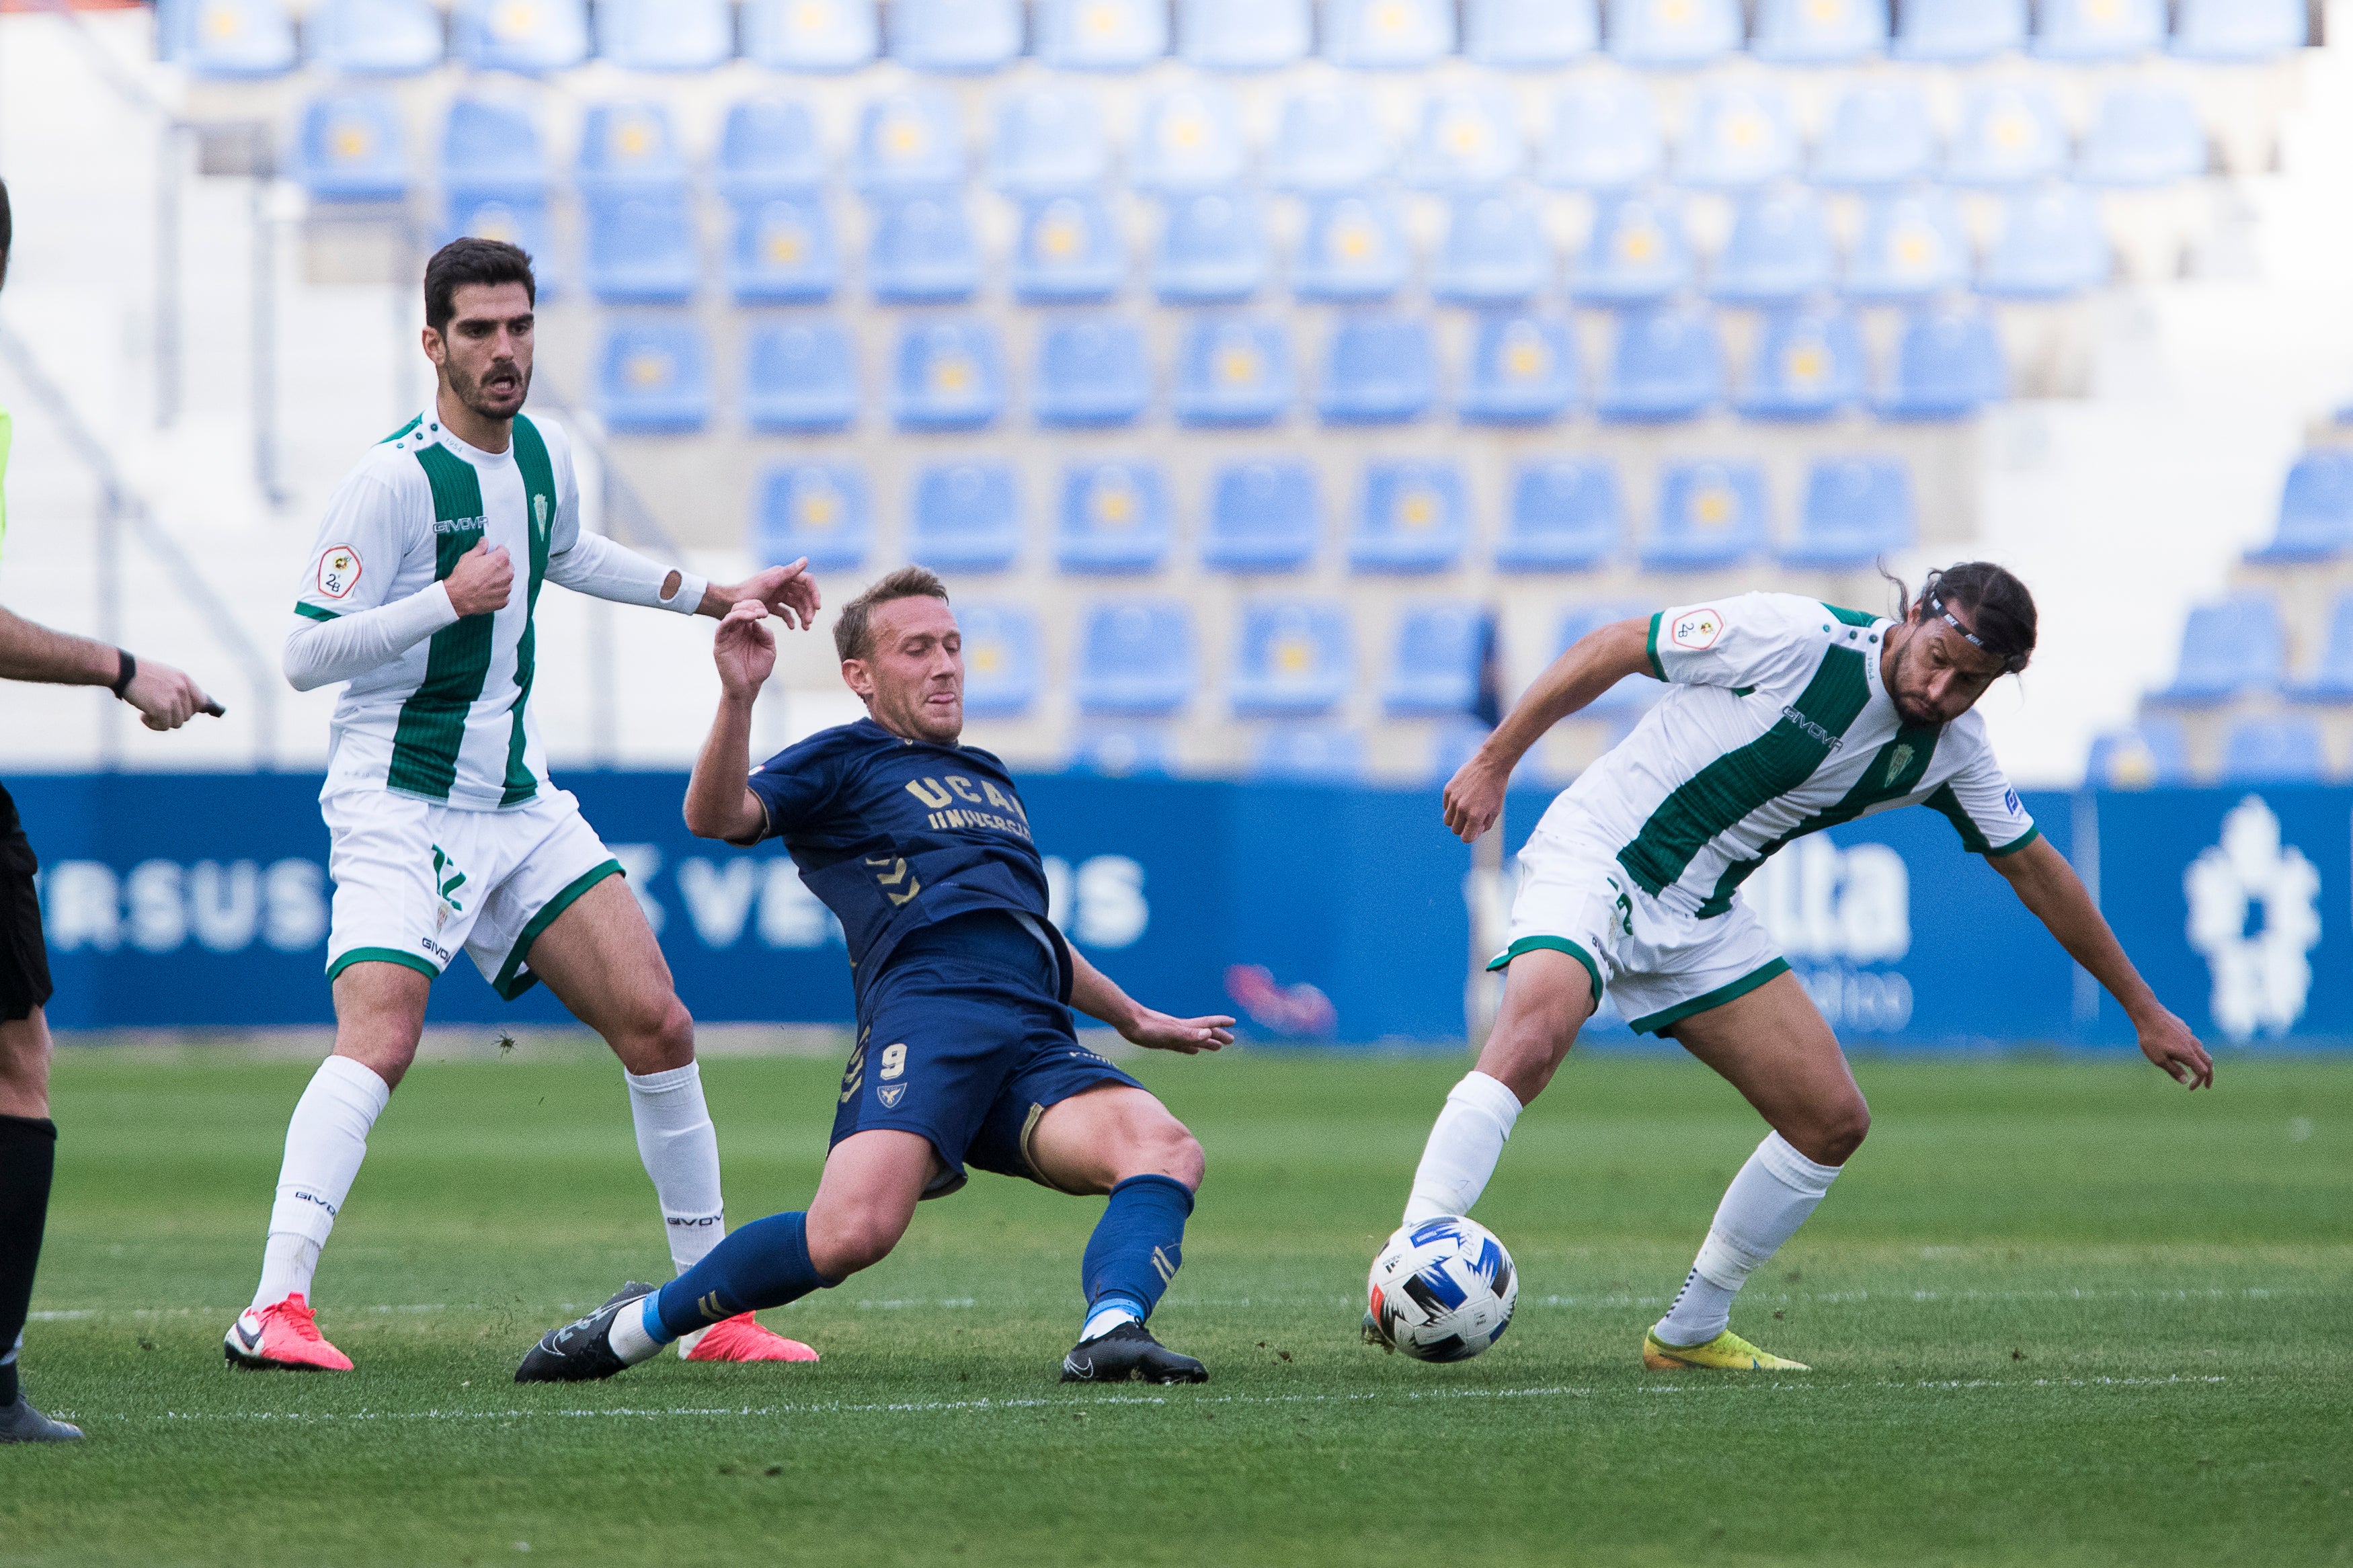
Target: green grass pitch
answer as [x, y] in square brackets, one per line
[2062, 1313]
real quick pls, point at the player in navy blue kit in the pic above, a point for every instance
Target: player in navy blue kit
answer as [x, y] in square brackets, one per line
[964, 1052]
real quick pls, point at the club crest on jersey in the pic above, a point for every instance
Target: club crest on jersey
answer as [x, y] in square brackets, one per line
[1897, 763]
[539, 515]
[1697, 631]
[339, 571]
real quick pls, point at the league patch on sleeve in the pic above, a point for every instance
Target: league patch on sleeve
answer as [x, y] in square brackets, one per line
[1695, 631]
[339, 571]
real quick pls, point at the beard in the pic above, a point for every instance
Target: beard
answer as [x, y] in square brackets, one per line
[500, 402]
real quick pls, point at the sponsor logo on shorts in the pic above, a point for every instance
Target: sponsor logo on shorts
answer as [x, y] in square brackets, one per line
[434, 948]
[339, 571]
[890, 1094]
[1697, 631]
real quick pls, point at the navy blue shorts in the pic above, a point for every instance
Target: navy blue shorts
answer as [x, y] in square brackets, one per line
[961, 1040]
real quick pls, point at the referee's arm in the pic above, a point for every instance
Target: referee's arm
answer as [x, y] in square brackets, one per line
[165, 698]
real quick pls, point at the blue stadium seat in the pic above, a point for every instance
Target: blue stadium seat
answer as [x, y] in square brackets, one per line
[533, 38]
[1434, 670]
[1675, 35]
[811, 34]
[641, 248]
[1496, 253]
[1069, 249]
[517, 220]
[1878, 136]
[1291, 657]
[1138, 657]
[1636, 254]
[2332, 677]
[2144, 134]
[1234, 370]
[1102, 35]
[627, 147]
[1355, 248]
[1244, 35]
[666, 34]
[1412, 517]
[1565, 516]
[1522, 370]
[1667, 365]
[948, 375]
[1002, 670]
[1308, 754]
[1912, 247]
[922, 251]
[1377, 370]
[2228, 32]
[2051, 246]
[964, 516]
[1387, 35]
[2154, 751]
[799, 378]
[1635, 692]
[350, 149]
[229, 38]
[377, 37]
[2010, 134]
[813, 510]
[1780, 250]
[1809, 365]
[1263, 517]
[1741, 135]
[2316, 511]
[1212, 249]
[769, 146]
[1092, 372]
[1602, 135]
[1530, 35]
[1190, 140]
[2091, 32]
[654, 378]
[1329, 140]
[1049, 140]
[1948, 366]
[492, 151]
[783, 251]
[957, 36]
[1820, 32]
[1856, 510]
[2273, 752]
[1115, 751]
[1958, 32]
[2234, 646]
[1469, 140]
[1115, 518]
[1710, 515]
[910, 141]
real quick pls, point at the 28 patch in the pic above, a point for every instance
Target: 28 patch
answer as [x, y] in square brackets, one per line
[1696, 631]
[339, 571]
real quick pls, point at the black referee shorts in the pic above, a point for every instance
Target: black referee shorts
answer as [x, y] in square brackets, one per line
[24, 956]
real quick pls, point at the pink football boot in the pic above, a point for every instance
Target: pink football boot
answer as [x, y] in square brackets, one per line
[286, 1336]
[741, 1338]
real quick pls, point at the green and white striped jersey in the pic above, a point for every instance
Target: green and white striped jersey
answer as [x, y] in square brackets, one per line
[1777, 726]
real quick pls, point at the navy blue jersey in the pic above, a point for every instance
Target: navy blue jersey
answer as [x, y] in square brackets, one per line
[895, 835]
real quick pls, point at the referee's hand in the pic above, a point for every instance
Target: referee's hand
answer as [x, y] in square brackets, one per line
[166, 697]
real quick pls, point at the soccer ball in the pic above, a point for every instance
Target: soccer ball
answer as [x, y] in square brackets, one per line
[1440, 1290]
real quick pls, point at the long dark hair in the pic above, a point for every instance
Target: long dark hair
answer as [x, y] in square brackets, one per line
[2002, 612]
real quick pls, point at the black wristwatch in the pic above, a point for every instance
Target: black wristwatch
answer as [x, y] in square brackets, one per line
[129, 668]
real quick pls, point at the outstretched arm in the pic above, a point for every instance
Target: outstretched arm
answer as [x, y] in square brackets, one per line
[718, 802]
[603, 569]
[1593, 663]
[2049, 887]
[165, 697]
[1094, 994]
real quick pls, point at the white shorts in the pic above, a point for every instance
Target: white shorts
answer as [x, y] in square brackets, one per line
[1657, 965]
[415, 880]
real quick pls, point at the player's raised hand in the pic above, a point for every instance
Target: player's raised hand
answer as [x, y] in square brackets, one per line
[787, 591]
[1156, 1031]
[482, 581]
[165, 698]
[744, 649]
[1474, 797]
[2166, 1041]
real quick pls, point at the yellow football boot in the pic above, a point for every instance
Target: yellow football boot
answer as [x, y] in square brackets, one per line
[1726, 1353]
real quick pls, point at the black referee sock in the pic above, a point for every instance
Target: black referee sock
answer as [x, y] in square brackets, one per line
[29, 1155]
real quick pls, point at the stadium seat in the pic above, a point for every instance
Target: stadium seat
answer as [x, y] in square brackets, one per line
[2051, 246]
[1412, 517]
[1602, 135]
[800, 378]
[1496, 253]
[1675, 35]
[350, 149]
[1120, 751]
[1667, 365]
[1530, 35]
[641, 248]
[517, 220]
[1565, 516]
[1190, 140]
[1234, 370]
[1710, 515]
[922, 251]
[813, 510]
[1049, 140]
[1780, 250]
[783, 251]
[1434, 669]
[910, 141]
[627, 147]
[531, 38]
[2154, 751]
[1328, 141]
[1263, 517]
[2094, 32]
[491, 151]
[2332, 676]
[1522, 370]
[1308, 754]
[1138, 657]
[949, 375]
[1244, 35]
[769, 146]
[1809, 364]
[2229, 32]
[2315, 511]
[2143, 135]
[1912, 247]
[653, 378]
[1069, 249]
[1469, 140]
[1355, 249]
[1102, 35]
[1636, 254]
[377, 37]
[1958, 32]
[811, 34]
[1635, 692]
[1378, 369]
[2234, 646]
[666, 34]
[230, 38]
[1291, 658]
[1856, 510]
[964, 516]
[2010, 134]
[1387, 35]
[1740, 136]
[1948, 366]
[1878, 136]
[2273, 752]
[955, 37]
[1820, 32]
[1212, 249]
[1002, 670]
[1115, 518]
[1092, 372]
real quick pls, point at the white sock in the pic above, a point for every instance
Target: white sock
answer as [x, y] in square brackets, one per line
[1766, 1203]
[632, 1336]
[1107, 1318]
[1464, 1144]
[325, 1142]
[679, 1150]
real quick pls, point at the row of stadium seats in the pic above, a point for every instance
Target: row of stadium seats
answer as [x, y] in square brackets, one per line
[258, 37]
[1563, 515]
[2255, 751]
[2239, 647]
[2315, 511]
[949, 373]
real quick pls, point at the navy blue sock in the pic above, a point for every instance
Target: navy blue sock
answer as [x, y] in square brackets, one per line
[766, 1264]
[1138, 1244]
